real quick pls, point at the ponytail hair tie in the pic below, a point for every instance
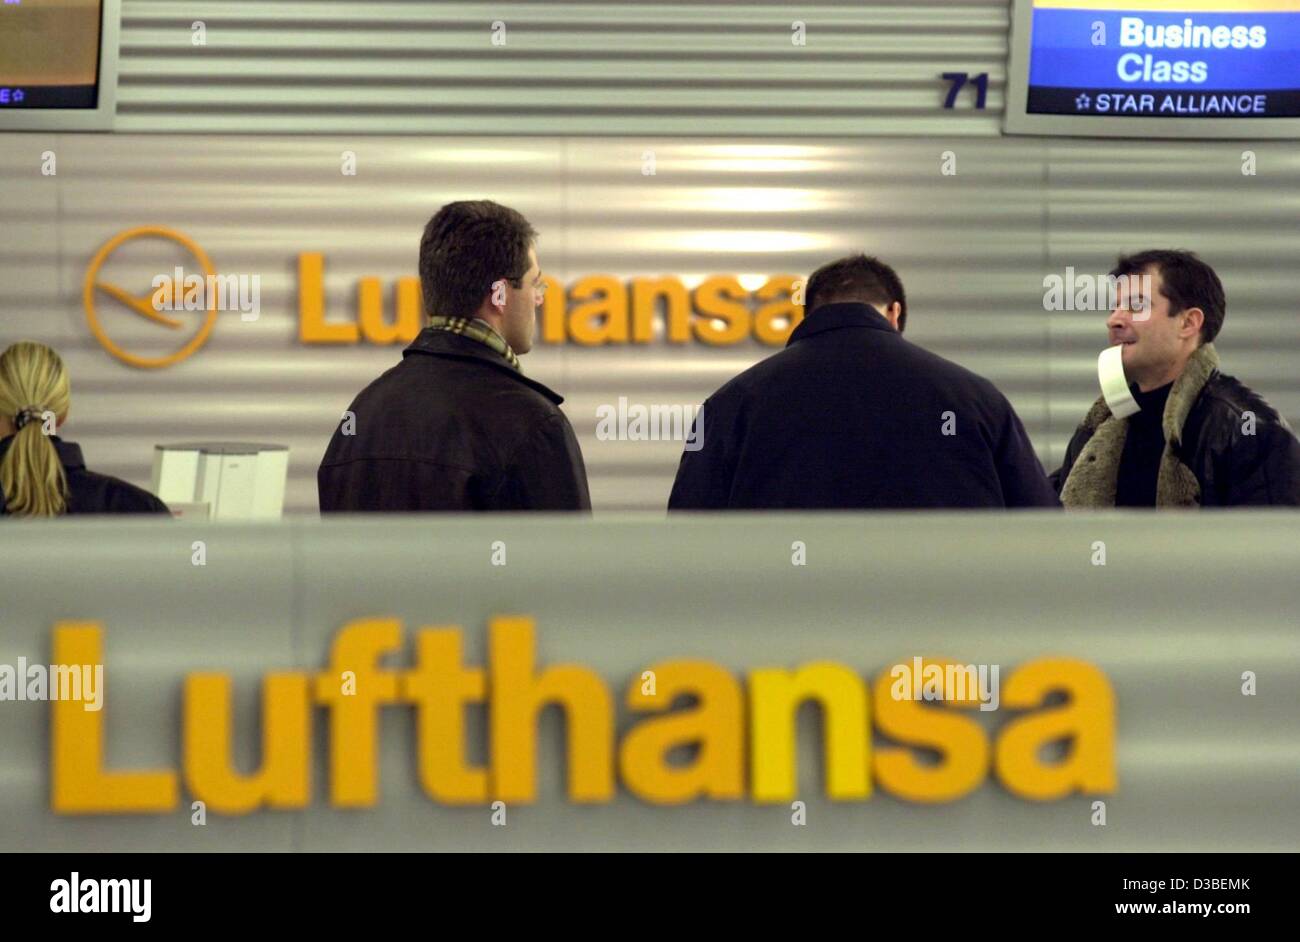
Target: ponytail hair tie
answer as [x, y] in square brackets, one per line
[26, 415]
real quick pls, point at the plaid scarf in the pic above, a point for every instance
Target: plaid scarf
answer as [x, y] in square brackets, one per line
[477, 329]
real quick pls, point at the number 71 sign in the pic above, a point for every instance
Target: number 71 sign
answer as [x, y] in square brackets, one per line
[958, 79]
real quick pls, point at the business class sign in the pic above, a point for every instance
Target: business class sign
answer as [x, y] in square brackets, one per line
[189, 297]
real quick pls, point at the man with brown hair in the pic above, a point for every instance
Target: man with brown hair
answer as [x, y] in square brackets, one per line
[1199, 438]
[456, 425]
[851, 415]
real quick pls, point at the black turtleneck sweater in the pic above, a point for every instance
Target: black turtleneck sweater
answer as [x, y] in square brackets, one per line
[1139, 465]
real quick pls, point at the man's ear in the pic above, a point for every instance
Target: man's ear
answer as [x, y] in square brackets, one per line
[892, 313]
[498, 296]
[1194, 319]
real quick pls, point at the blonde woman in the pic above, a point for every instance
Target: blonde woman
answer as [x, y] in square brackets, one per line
[40, 474]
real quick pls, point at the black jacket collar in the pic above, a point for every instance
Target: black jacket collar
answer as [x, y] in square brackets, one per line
[444, 343]
[69, 452]
[835, 316]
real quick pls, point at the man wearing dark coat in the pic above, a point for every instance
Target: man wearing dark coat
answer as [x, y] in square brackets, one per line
[852, 415]
[456, 425]
[1200, 438]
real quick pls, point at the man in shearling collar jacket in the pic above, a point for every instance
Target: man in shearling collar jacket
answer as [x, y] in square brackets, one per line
[1201, 438]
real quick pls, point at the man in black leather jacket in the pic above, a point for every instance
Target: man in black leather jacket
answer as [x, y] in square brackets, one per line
[1202, 438]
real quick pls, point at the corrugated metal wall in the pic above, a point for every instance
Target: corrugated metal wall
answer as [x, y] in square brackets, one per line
[973, 248]
[331, 66]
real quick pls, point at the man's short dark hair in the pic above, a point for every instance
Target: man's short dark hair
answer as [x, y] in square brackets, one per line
[1185, 281]
[466, 248]
[856, 278]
